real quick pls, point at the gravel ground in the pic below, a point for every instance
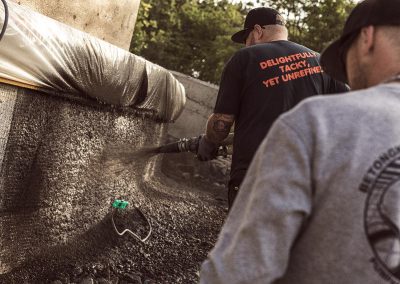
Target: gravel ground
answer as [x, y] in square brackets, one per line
[185, 202]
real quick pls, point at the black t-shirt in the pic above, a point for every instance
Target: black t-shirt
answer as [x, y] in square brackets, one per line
[261, 82]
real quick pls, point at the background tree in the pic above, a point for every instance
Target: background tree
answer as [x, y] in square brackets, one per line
[189, 36]
[193, 36]
[313, 23]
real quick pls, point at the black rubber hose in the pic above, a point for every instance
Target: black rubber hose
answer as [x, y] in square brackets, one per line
[3, 30]
[169, 148]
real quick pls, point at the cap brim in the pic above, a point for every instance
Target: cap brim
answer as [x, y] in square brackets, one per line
[239, 37]
[332, 63]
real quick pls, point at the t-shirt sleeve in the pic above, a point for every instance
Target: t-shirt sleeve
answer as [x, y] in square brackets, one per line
[269, 212]
[230, 87]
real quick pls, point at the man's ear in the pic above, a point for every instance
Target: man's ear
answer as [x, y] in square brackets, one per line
[367, 40]
[258, 33]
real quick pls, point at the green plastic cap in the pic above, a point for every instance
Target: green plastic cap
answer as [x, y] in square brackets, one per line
[120, 204]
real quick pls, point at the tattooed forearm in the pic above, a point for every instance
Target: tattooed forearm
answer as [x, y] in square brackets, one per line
[218, 127]
[221, 126]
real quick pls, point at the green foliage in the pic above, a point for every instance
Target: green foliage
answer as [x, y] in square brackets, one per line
[193, 36]
[313, 23]
[189, 36]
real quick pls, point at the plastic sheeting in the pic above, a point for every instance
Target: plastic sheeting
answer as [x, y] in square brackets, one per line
[40, 52]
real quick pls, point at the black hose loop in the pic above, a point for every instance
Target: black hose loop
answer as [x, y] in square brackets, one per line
[3, 30]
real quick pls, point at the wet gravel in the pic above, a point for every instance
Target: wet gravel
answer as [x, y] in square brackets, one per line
[184, 200]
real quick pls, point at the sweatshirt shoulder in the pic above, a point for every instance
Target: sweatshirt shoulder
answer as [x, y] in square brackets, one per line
[329, 106]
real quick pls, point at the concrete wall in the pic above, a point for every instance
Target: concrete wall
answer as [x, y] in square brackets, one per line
[201, 97]
[112, 21]
[54, 181]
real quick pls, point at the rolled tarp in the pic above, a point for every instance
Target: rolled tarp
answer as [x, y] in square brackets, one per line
[41, 53]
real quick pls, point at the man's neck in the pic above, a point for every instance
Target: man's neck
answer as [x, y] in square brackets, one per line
[385, 77]
[272, 39]
[395, 78]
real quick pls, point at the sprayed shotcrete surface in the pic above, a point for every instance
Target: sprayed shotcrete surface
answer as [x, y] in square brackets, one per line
[59, 177]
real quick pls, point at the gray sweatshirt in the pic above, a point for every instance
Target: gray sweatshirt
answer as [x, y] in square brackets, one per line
[321, 200]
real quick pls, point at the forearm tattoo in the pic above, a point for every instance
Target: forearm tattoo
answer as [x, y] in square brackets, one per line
[218, 127]
[221, 126]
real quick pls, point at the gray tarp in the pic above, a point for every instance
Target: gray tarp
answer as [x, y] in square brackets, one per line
[43, 53]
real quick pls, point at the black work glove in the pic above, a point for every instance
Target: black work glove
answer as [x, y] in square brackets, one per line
[207, 150]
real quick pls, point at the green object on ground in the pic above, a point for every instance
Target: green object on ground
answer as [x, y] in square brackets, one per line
[120, 204]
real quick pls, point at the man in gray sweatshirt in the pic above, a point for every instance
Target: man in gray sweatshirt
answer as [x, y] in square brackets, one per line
[321, 199]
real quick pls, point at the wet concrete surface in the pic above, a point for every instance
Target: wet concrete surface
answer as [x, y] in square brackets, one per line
[186, 220]
[55, 211]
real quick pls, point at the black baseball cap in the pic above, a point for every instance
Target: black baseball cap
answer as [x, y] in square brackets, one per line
[366, 13]
[259, 16]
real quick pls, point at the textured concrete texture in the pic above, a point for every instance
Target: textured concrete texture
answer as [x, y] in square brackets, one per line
[200, 102]
[112, 21]
[54, 186]
[58, 179]
[7, 103]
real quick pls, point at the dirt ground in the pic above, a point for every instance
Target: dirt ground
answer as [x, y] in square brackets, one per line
[186, 205]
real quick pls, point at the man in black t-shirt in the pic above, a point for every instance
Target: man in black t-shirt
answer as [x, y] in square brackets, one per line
[260, 82]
